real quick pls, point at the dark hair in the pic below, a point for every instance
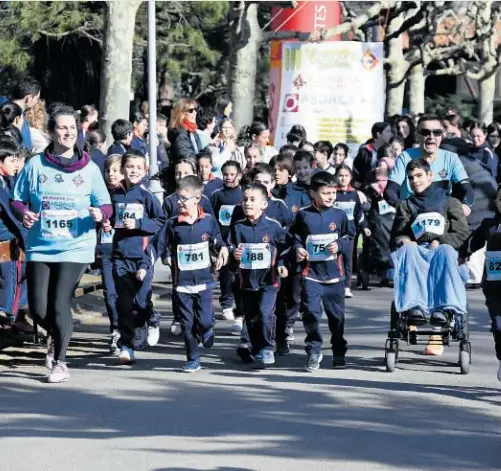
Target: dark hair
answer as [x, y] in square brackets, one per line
[304, 155]
[322, 178]
[378, 128]
[93, 139]
[284, 162]
[454, 119]
[133, 154]
[324, 147]
[255, 129]
[60, 109]
[288, 150]
[137, 117]
[263, 168]
[188, 161]
[221, 103]
[27, 86]
[87, 110]
[9, 112]
[494, 127]
[204, 154]
[478, 125]
[161, 117]
[296, 133]
[384, 151]
[304, 143]
[410, 139]
[13, 133]
[120, 129]
[232, 163]
[190, 182]
[429, 117]
[416, 164]
[398, 139]
[257, 187]
[8, 147]
[343, 146]
[345, 167]
[204, 117]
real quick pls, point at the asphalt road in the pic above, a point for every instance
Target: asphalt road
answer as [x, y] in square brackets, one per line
[151, 417]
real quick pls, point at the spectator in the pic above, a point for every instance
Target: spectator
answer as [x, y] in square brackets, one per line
[121, 130]
[296, 135]
[11, 121]
[406, 130]
[96, 147]
[185, 142]
[397, 145]
[139, 128]
[37, 119]
[224, 109]
[259, 134]
[481, 149]
[340, 155]
[206, 122]
[88, 122]
[163, 142]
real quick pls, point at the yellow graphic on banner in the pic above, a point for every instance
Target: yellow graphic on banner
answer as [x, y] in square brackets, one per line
[292, 59]
[340, 130]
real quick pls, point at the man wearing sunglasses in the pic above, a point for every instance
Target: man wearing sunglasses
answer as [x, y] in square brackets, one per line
[446, 166]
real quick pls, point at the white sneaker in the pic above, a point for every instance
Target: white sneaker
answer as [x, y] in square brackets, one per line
[236, 328]
[499, 371]
[153, 335]
[140, 338]
[348, 293]
[114, 338]
[228, 314]
[175, 329]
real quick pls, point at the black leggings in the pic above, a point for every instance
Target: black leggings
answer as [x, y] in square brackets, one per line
[50, 290]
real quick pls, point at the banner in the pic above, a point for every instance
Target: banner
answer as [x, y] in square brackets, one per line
[335, 90]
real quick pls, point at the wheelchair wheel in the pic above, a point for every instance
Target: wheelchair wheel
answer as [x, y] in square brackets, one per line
[464, 357]
[391, 355]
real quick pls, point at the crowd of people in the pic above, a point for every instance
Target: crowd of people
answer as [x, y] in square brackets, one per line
[281, 231]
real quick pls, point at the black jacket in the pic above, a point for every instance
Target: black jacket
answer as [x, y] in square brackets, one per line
[362, 164]
[182, 145]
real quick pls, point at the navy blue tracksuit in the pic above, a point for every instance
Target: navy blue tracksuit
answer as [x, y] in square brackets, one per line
[349, 202]
[223, 203]
[212, 185]
[131, 251]
[323, 274]
[264, 242]
[189, 246]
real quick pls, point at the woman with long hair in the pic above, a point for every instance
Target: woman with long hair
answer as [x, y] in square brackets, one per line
[37, 119]
[259, 134]
[185, 142]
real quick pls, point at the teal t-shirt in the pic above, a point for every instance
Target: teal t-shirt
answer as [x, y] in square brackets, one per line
[446, 168]
[65, 231]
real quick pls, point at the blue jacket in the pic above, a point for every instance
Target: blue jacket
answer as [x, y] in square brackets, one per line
[171, 208]
[273, 242]
[324, 225]
[189, 246]
[98, 158]
[139, 144]
[293, 195]
[10, 225]
[349, 202]
[117, 148]
[212, 185]
[25, 128]
[149, 220]
[276, 209]
[227, 199]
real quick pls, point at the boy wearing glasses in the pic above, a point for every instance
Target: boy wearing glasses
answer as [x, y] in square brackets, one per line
[446, 166]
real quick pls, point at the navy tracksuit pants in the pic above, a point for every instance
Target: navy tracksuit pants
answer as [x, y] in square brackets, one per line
[131, 294]
[493, 303]
[109, 291]
[226, 280]
[331, 296]
[196, 315]
[287, 307]
[348, 263]
[259, 313]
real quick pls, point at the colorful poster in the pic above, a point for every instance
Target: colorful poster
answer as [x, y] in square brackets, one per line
[335, 90]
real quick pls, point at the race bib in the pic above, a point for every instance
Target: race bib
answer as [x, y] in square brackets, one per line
[107, 237]
[255, 256]
[428, 222]
[348, 207]
[193, 256]
[59, 224]
[385, 208]
[316, 246]
[493, 266]
[225, 213]
[127, 211]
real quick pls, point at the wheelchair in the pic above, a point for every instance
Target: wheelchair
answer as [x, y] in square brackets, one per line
[412, 332]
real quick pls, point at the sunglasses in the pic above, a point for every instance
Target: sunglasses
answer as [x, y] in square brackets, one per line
[429, 132]
[191, 110]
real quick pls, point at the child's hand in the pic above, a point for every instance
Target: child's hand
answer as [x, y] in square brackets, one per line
[434, 244]
[333, 248]
[129, 223]
[301, 254]
[282, 272]
[96, 214]
[29, 218]
[367, 232]
[140, 274]
[107, 226]
[238, 254]
[222, 259]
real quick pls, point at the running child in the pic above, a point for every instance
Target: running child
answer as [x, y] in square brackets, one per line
[210, 181]
[323, 154]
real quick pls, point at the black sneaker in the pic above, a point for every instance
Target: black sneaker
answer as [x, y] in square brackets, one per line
[283, 348]
[438, 318]
[208, 339]
[245, 353]
[338, 362]
[313, 362]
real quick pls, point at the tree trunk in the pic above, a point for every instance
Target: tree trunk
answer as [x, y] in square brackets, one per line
[416, 89]
[395, 77]
[117, 62]
[245, 44]
[487, 87]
